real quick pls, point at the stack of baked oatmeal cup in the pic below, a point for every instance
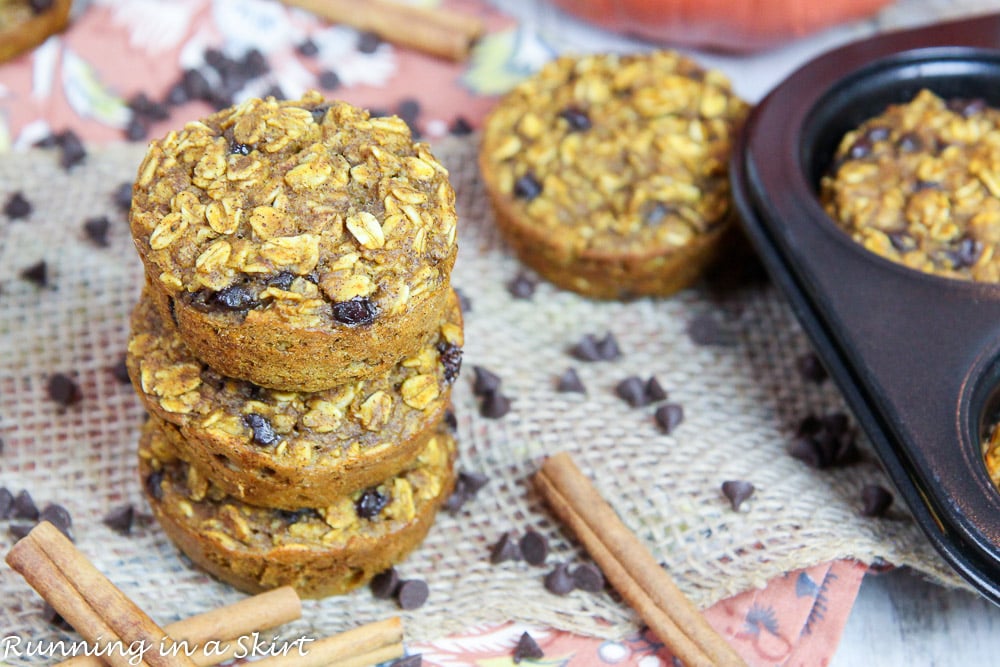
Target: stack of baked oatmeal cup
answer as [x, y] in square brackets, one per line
[296, 342]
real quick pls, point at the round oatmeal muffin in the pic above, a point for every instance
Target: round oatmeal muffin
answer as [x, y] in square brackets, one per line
[320, 552]
[289, 449]
[920, 185]
[296, 244]
[608, 173]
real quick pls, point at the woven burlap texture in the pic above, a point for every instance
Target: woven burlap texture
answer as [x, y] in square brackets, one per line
[742, 404]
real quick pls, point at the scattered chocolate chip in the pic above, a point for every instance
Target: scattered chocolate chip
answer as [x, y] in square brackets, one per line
[282, 280]
[861, 148]
[412, 594]
[71, 150]
[967, 253]
[36, 274]
[96, 230]
[196, 85]
[177, 95]
[806, 449]
[409, 110]
[632, 390]
[528, 648]
[142, 106]
[901, 241]
[415, 660]
[607, 348]
[569, 382]
[120, 371]
[910, 142]
[522, 286]
[368, 42]
[588, 577]
[235, 297]
[120, 519]
[559, 581]
[706, 329]
[967, 106]
[472, 482]
[263, 431]
[450, 420]
[654, 391]
[154, 484]
[371, 502]
[877, 133]
[136, 129]
[384, 584]
[6, 502]
[460, 127]
[586, 349]
[527, 187]
[875, 500]
[506, 548]
[301, 514]
[254, 64]
[534, 547]
[237, 148]
[451, 359]
[59, 517]
[669, 416]
[823, 442]
[495, 405]
[577, 118]
[464, 302]
[63, 390]
[307, 48]
[17, 207]
[20, 530]
[359, 311]
[737, 491]
[122, 196]
[486, 381]
[328, 80]
[23, 507]
[811, 368]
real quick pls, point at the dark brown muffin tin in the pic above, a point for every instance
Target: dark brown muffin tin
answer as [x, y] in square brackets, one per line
[917, 356]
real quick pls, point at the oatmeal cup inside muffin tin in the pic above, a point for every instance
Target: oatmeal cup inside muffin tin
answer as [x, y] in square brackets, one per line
[913, 342]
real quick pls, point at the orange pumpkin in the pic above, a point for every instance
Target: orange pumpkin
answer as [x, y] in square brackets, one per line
[726, 25]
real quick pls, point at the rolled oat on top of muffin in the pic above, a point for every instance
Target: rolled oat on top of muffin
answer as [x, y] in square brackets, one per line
[296, 244]
[608, 173]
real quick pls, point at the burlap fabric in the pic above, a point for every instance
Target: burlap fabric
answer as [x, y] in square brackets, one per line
[742, 403]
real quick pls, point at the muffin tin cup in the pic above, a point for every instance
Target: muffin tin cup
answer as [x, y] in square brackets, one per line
[917, 356]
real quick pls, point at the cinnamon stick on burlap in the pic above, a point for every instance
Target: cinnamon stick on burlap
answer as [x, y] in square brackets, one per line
[630, 567]
[101, 613]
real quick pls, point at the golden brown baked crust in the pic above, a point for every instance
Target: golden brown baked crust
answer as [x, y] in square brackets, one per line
[289, 449]
[318, 552]
[287, 237]
[608, 173]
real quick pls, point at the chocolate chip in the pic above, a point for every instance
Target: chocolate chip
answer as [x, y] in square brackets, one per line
[263, 431]
[6, 502]
[282, 280]
[409, 110]
[196, 85]
[136, 129]
[811, 368]
[237, 148]
[877, 133]
[632, 390]
[96, 230]
[384, 584]
[586, 349]
[737, 491]
[451, 359]
[71, 150]
[412, 594]
[534, 547]
[472, 482]
[141, 105]
[654, 391]
[460, 127]
[495, 405]
[20, 530]
[807, 450]
[967, 106]
[569, 382]
[177, 95]
[669, 416]
[120, 519]
[59, 517]
[861, 148]
[588, 577]
[235, 297]
[154, 484]
[120, 371]
[706, 329]
[359, 311]
[301, 514]
[63, 390]
[17, 207]
[254, 64]
[875, 500]
[307, 48]
[328, 80]
[486, 381]
[522, 286]
[910, 142]
[415, 660]
[371, 502]
[506, 548]
[577, 118]
[823, 442]
[607, 348]
[967, 253]
[122, 196]
[901, 241]
[368, 42]
[450, 420]
[527, 187]
[559, 581]
[36, 274]
[527, 648]
[23, 507]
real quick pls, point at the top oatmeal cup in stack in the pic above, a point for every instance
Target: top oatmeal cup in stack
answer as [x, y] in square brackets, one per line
[608, 173]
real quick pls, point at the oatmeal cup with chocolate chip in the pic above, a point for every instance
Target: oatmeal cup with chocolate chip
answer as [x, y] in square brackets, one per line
[608, 173]
[296, 244]
[919, 185]
[324, 551]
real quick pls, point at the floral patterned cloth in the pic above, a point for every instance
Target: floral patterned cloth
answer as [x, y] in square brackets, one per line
[84, 80]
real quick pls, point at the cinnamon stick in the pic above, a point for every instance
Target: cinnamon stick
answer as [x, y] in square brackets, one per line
[259, 612]
[630, 567]
[444, 34]
[365, 645]
[83, 596]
